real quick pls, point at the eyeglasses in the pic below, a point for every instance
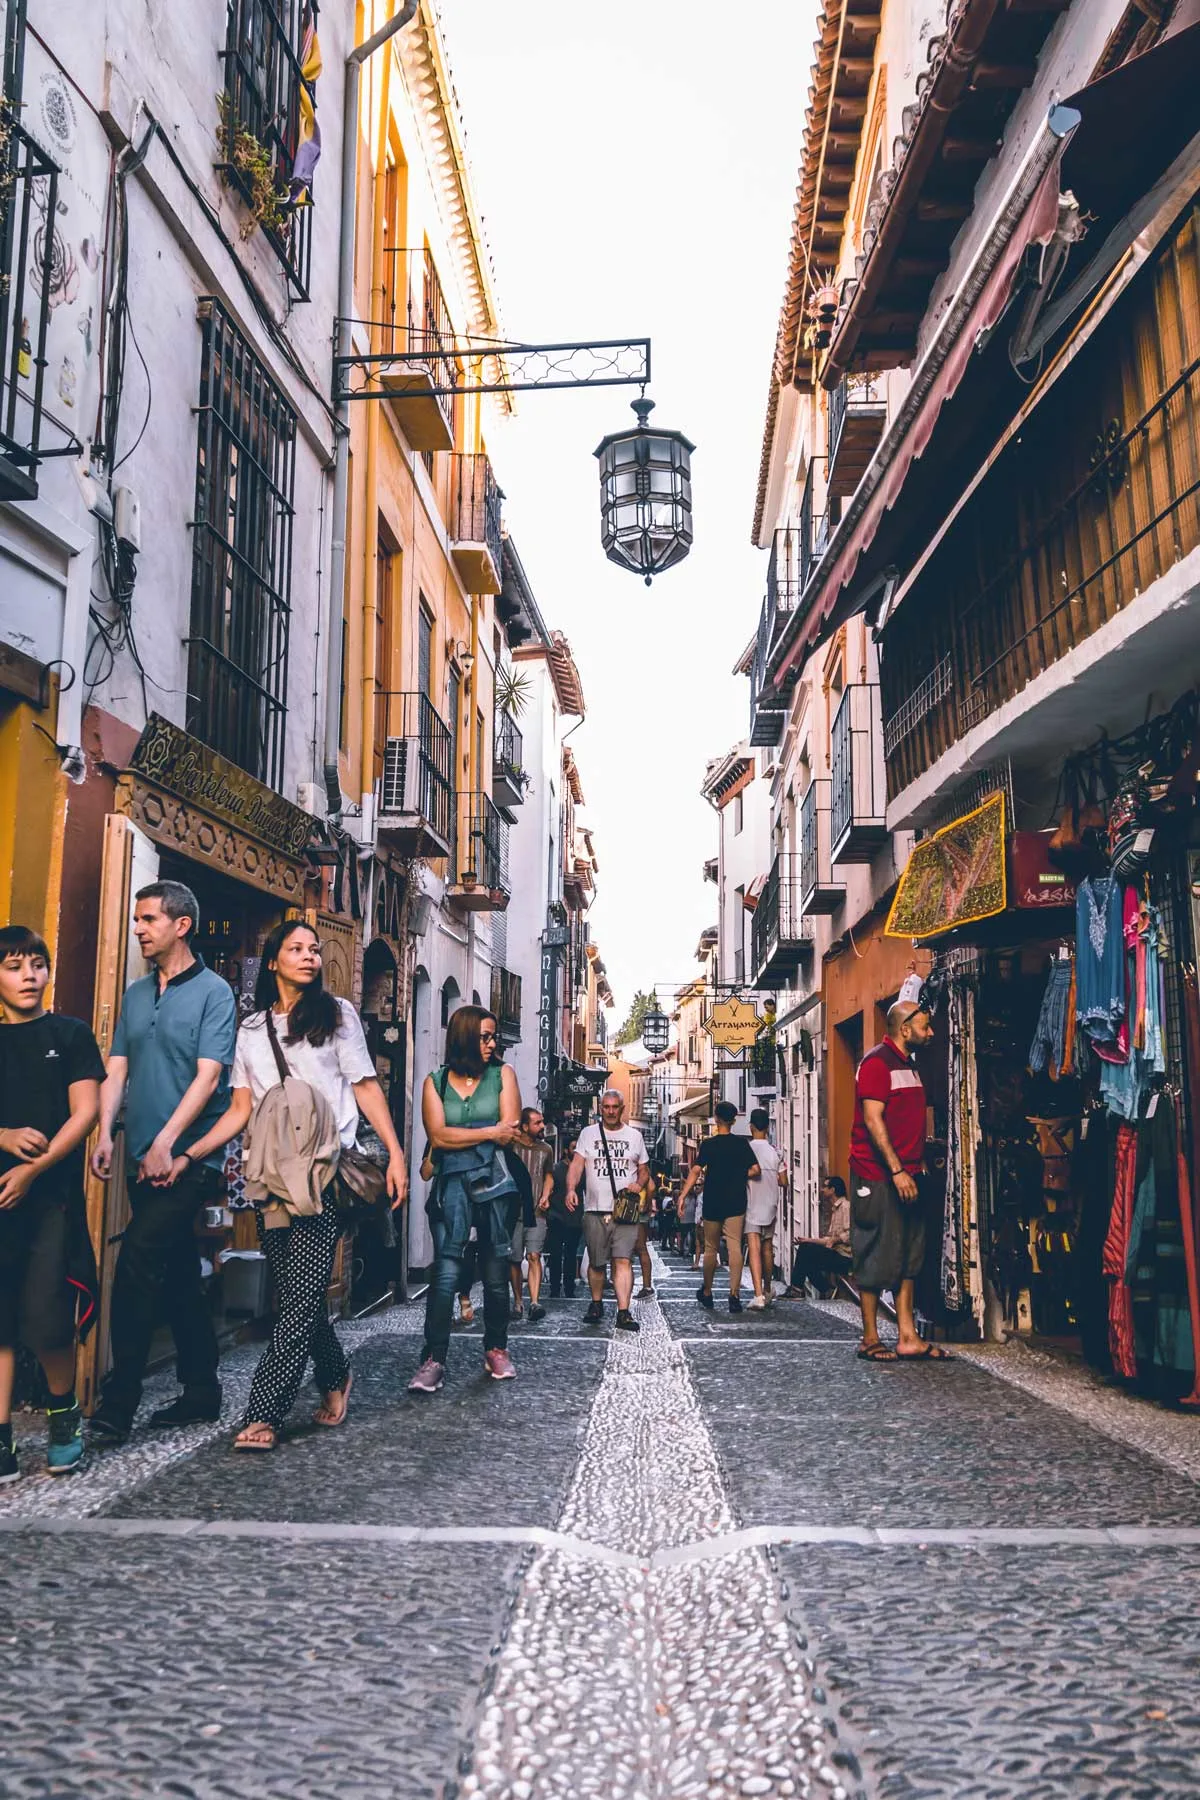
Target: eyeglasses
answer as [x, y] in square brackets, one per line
[487, 1037]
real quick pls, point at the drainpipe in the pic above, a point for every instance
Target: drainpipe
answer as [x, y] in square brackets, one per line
[342, 340]
[370, 594]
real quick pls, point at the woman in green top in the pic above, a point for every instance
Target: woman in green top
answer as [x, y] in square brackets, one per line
[472, 1100]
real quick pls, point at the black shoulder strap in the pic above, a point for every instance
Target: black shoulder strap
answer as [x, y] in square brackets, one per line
[280, 1060]
[612, 1180]
[443, 1084]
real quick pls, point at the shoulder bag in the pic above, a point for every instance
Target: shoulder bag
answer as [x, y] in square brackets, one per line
[627, 1202]
[361, 1185]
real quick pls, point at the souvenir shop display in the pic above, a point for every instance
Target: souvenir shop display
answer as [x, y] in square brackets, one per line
[1073, 1061]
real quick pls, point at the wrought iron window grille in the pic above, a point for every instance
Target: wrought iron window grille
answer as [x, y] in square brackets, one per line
[241, 553]
[260, 125]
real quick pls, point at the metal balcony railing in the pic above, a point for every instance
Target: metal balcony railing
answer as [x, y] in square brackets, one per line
[858, 804]
[851, 391]
[417, 781]
[819, 892]
[261, 107]
[506, 1004]
[780, 936]
[510, 746]
[763, 1070]
[814, 529]
[481, 848]
[475, 505]
[28, 197]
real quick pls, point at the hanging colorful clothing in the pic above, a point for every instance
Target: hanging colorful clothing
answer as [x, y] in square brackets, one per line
[1125, 1086]
[962, 1269]
[1116, 1255]
[1049, 1047]
[1100, 961]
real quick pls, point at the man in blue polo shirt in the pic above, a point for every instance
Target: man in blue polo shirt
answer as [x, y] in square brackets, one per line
[170, 1060]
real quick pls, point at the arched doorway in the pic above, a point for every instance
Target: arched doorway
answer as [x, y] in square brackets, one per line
[451, 995]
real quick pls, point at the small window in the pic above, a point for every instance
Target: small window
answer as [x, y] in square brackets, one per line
[425, 649]
[266, 109]
[735, 814]
[450, 997]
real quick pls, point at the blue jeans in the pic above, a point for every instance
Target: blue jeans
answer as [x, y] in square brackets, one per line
[449, 1249]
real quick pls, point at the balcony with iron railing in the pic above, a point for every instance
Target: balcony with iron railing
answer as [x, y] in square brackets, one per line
[814, 527]
[417, 333]
[415, 793]
[475, 524]
[28, 198]
[508, 765]
[858, 823]
[479, 880]
[762, 1071]
[857, 419]
[262, 127]
[820, 892]
[506, 1004]
[781, 938]
[1089, 510]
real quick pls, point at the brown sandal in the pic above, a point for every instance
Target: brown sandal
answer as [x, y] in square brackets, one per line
[255, 1446]
[332, 1424]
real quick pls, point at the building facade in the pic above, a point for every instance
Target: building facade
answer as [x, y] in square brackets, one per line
[979, 634]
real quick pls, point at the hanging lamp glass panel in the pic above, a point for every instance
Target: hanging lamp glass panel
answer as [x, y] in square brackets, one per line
[656, 1032]
[645, 496]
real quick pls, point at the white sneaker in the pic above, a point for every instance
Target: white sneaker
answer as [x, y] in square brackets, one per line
[758, 1304]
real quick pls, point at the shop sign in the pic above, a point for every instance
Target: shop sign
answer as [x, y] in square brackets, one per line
[173, 760]
[733, 1024]
[584, 1084]
[547, 1001]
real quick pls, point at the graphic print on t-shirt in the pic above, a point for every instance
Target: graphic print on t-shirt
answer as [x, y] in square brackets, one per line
[626, 1148]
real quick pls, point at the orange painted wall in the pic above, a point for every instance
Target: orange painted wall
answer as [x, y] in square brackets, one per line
[863, 979]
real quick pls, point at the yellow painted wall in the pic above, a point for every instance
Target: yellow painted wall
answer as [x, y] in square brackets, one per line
[32, 813]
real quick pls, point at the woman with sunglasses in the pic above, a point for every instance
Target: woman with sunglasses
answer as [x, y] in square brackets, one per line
[321, 1041]
[470, 1107]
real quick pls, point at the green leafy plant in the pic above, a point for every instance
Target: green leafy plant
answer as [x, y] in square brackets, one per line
[254, 173]
[631, 1030]
[513, 688]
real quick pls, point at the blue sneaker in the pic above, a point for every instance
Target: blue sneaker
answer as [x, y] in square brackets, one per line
[10, 1468]
[64, 1446]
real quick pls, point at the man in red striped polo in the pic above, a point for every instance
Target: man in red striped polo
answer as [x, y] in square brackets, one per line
[887, 1159]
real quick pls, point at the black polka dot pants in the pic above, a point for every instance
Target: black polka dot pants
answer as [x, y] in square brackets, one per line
[300, 1257]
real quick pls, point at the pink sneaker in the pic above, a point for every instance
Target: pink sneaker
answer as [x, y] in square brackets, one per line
[499, 1365]
[428, 1378]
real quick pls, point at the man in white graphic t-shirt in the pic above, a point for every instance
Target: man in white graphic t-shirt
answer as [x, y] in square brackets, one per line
[762, 1205]
[612, 1157]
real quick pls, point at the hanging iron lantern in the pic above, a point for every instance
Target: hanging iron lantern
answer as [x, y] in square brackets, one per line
[645, 496]
[656, 1032]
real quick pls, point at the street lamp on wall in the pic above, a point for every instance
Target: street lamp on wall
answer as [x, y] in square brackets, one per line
[645, 496]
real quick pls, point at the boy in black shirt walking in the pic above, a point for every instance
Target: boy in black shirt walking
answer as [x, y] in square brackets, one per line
[727, 1163]
[50, 1075]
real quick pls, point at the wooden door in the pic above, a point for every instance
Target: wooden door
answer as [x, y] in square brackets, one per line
[129, 862]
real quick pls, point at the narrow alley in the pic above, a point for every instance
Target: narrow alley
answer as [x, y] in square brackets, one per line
[722, 1557]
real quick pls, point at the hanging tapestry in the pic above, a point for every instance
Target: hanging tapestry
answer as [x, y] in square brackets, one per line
[955, 877]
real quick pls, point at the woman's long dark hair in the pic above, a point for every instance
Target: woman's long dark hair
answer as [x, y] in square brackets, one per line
[463, 1055]
[316, 1014]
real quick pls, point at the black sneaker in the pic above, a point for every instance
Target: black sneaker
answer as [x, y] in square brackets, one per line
[627, 1322]
[594, 1313]
[735, 1304]
[189, 1409]
[108, 1430]
[704, 1297]
[10, 1468]
[536, 1311]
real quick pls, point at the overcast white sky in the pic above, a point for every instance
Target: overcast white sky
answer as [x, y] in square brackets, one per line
[636, 166]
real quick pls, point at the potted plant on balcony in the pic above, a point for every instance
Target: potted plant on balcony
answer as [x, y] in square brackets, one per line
[469, 880]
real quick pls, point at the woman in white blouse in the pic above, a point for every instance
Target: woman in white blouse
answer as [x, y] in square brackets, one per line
[324, 1045]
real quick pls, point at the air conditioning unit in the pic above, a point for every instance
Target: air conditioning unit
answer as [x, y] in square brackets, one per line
[400, 786]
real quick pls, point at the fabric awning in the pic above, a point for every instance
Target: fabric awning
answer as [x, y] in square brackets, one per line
[1036, 225]
[753, 893]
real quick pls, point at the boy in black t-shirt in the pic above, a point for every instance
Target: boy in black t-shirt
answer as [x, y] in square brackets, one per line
[50, 1075]
[726, 1163]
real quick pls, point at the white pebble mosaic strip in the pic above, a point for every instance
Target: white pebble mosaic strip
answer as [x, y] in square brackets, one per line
[682, 1683]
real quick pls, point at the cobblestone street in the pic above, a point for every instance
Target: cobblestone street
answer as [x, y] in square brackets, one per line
[722, 1558]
